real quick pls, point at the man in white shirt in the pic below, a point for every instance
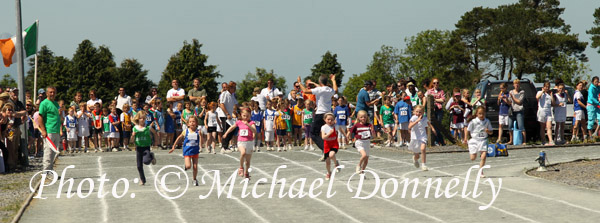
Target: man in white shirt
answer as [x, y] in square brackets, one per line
[227, 101]
[122, 99]
[323, 94]
[93, 100]
[175, 95]
[268, 93]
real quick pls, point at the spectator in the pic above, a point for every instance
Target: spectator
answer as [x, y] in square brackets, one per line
[363, 100]
[226, 102]
[41, 96]
[516, 99]
[323, 95]
[77, 100]
[93, 100]
[256, 96]
[176, 94]
[122, 99]
[49, 125]
[297, 93]
[197, 92]
[268, 93]
[20, 117]
[438, 99]
[153, 96]
[592, 105]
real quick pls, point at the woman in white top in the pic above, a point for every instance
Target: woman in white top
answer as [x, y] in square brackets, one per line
[560, 112]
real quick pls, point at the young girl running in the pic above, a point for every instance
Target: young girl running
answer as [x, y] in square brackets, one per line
[418, 136]
[330, 143]
[362, 131]
[307, 116]
[142, 137]
[479, 128]
[246, 133]
[211, 121]
[191, 146]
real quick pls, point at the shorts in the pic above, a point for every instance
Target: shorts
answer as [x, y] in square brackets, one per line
[340, 128]
[377, 128]
[503, 120]
[105, 134]
[458, 125]
[72, 135]
[211, 129]
[544, 116]
[126, 134]
[113, 135]
[269, 136]
[415, 144]
[579, 115]
[192, 156]
[96, 131]
[403, 126]
[203, 129]
[248, 145]
[297, 126]
[477, 145]
[388, 125]
[330, 150]
[330, 145]
[282, 132]
[363, 145]
[162, 128]
[307, 130]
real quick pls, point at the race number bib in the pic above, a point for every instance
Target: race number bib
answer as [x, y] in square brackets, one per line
[365, 134]
[342, 116]
[193, 136]
[403, 113]
[105, 121]
[388, 112]
[257, 124]
[214, 122]
[299, 113]
[309, 116]
[286, 117]
[148, 119]
[71, 124]
[243, 132]
[270, 118]
[178, 121]
[481, 135]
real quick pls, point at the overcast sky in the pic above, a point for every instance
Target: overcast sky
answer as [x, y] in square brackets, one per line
[240, 35]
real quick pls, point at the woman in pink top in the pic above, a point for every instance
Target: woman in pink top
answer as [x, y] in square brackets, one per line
[439, 97]
[246, 133]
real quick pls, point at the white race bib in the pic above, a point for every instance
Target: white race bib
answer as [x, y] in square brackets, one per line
[309, 116]
[286, 117]
[105, 121]
[342, 116]
[257, 123]
[403, 113]
[192, 136]
[243, 132]
[387, 112]
[71, 124]
[270, 118]
[365, 134]
[482, 135]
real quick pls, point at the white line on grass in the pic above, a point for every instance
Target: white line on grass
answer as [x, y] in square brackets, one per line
[322, 201]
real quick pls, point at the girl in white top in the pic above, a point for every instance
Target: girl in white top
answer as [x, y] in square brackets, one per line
[418, 136]
[544, 115]
[560, 112]
[83, 125]
[211, 121]
[479, 129]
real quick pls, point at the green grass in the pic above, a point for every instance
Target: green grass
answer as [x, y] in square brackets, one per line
[18, 182]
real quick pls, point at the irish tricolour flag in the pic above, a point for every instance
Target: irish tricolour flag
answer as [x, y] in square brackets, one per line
[7, 46]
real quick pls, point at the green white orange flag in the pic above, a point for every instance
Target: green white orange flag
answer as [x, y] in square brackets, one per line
[7, 46]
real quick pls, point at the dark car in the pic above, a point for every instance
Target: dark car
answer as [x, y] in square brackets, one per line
[491, 89]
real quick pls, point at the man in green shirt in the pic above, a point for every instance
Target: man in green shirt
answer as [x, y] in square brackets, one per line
[49, 125]
[197, 92]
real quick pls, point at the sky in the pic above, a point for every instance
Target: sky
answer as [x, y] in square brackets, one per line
[240, 35]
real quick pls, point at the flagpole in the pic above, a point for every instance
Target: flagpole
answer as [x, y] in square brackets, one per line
[34, 92]
[21, 83]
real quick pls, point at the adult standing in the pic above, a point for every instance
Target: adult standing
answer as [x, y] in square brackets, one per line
[268, 93]
[49, 126]
[298, 92]
[150, 98]
[323, 94]
[122, 99]
[41, 96]
[20, 118]
[197, 92]
[76, 100]
[363, 101]
[256, 96]
[438, 99]
[516, 99]
[592, 105]
[175, 95]
[227, 101]
[93, 100]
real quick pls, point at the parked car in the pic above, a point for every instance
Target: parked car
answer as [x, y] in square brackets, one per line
[570, 93]
[491, 89]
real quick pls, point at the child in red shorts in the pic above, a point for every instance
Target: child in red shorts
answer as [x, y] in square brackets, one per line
[330, 143]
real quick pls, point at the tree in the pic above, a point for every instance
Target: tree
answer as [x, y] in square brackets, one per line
[52, 71]
[134, 77]
[8, 81]
[258, 79]
[93, 68]
[595, 31]
[471, 27]
[187, 64]
[45, 61]
[384, 68]
[568, 69]
[328, 65]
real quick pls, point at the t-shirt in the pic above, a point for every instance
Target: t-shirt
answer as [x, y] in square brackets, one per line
[70, 122]
[418, 131]
[323, 95]
[545, 102]
[126, 121]
[503, 105]
[476, 104]
[49, 111]
[122, 101]
[593, 92]
[174, 93]
[229, 101]
[341, 114]
[197, 93]
[280, 121]
[244, 132]
[477, 128]
[403, 111]
[326, 129]
[142, 136]
[387, 114]
[264, 93]
[297, 118]
[91, 103]
[83, 122]
[270, 116]
[308, 116]
[520, 96]
[560, 111]
[361, 131]
[577, 97]
[457, 114]
[97, 119]
[362, 99]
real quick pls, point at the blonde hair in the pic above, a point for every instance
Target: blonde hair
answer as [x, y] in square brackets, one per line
[418, 107]
[362, 113]
[141, 115]
[516, 81]
[329, 114]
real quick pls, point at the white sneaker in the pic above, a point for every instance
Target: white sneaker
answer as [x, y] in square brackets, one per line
[388, 144]
[398, 144]
[115, 150]
[214, 151]
[305, 147]
[289, 148]
[257, 149]
[278, 149]
[222, 151]
[424, 168]
[357, 169]
[312, 148]
[195, 183]
[416, 162]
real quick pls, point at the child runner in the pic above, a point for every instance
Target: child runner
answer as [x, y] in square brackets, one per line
[212, 121]
[246, 133]
[257, 116]
[503, 111]
[281, 124]
[191, 146]
[560, 113]
[308, 119]
[83, 125]
[342, 112]
[114, 131]
[269, 128]
[362, 131]
[479, 129]
[287, 116]
[126, 125]
[97, 129]
[71, 126]
[330, 143]
[142, 137]
[418, 136]
[297, 121]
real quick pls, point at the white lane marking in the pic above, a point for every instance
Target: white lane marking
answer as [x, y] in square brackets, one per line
[504, 187]
[322, 201]
[237, 199]
[175, 206]
[377, 196]
[102, 199]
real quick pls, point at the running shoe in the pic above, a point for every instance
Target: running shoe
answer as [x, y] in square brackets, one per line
[416, 162]
[312, 148]
[115, 149]
[337, 163]
[196, 183]
[257, 149]
[247, 176]
[305, 147]
[278, 149]
[357, 169]
[424, 168]
[388, 144]
[328, 176]
[241, 172]
[322, 159]
[290, 147]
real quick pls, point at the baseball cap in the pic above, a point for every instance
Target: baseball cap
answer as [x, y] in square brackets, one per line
[41, 91]
[456, 94]
[410, 84]
[368, 83]
[4, 96]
